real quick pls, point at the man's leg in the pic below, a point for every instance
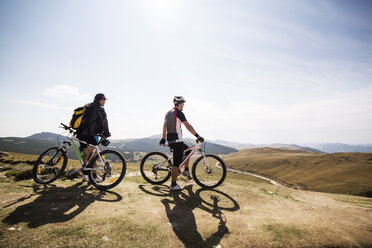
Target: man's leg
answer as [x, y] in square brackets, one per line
[174, 175]
[88, 152]
[177, 159]
[188, 161]
[186, 171]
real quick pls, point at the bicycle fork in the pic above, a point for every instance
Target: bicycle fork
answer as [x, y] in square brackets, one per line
[206, 167]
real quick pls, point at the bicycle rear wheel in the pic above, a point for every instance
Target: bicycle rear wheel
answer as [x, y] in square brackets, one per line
[109, 171]
[50, 165]
[155, 168]
[209, 173]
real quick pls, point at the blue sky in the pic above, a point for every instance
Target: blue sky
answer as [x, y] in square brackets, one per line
[251, 71]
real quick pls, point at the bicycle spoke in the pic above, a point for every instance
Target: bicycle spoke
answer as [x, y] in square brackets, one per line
[108, 170]
[155, 168]
[209, 171]
[49, 166]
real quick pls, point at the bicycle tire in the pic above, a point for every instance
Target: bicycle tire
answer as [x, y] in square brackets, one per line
[115, 180]
[36, 171]
[142, 168]
[200, 182]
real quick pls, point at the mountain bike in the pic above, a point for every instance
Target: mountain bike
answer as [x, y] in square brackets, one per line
[208, 171]
[109, 165]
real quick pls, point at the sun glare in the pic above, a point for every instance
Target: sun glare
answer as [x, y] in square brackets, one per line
[163, 14]
[163, 6]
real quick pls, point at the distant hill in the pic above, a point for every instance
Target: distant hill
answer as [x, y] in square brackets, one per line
[236, 145]
[216, 147]
[312, 147]
[131, 148]
[25, 145]
[47, 136]
[241, 146]
[349, 173]
[152, 144]
[295, 147]
[141, 145]
[40, 144]
[339, 147]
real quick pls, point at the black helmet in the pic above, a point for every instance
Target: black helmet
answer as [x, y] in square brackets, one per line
[178, 99]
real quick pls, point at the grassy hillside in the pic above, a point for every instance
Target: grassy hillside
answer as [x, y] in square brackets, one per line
[243, 212]
[22, 145]
[348, 173]
[39, 144]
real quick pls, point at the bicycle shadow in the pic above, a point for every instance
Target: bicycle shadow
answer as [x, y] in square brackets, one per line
[182, 218]
[55, 205]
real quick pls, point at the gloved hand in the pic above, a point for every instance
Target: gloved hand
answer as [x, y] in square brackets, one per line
[162, 142]
[106, 134]
[200, 139]
[105, 142]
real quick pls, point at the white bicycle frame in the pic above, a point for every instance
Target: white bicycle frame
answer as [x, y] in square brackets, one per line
[70, 142]
[193, 149]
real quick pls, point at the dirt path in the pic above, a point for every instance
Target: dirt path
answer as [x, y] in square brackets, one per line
[258, 176]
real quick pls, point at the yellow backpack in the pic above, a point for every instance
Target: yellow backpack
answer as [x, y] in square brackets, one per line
[80, 117]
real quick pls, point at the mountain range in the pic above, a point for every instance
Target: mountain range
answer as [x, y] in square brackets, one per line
[131, 148]
[311, 147]
[37, 143]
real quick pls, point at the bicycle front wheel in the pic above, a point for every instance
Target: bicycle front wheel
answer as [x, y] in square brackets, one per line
[49, 166]
[107, 169]
[209, 172]
[156, 168]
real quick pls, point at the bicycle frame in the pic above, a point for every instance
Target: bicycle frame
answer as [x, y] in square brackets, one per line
[72, 141]
[193, 149]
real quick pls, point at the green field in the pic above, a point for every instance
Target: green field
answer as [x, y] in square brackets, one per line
[243, 212]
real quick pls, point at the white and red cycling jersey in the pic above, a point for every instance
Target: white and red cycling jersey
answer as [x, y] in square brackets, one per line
[174, 119]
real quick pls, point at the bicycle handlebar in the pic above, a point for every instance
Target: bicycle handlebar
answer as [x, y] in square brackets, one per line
[104, 140]
[64, 126]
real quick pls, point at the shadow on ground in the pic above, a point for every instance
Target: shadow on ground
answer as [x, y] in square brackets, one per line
[181, 215]
[55, 205]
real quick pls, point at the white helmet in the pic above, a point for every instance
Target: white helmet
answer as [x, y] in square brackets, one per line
[178, 99]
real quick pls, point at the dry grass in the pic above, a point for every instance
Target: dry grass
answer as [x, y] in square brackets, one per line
[243, 212]
[348, 173]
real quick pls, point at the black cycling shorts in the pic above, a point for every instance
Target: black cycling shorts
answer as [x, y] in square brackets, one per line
[89, 139]
[178, 152]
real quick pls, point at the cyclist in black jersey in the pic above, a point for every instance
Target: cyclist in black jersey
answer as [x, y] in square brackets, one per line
[173, 133]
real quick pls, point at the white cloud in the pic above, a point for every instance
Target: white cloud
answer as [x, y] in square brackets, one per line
[66, 92]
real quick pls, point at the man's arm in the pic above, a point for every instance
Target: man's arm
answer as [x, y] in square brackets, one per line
[162, 141]
[164, 130]
[192, 131]
[104, 123]
[189, 127]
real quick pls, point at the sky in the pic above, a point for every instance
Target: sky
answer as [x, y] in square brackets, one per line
[250, 71]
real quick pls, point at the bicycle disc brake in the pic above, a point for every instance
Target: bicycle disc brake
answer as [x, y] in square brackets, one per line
[107, 168]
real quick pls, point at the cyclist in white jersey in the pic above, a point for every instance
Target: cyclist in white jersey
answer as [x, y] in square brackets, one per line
[173, 133]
